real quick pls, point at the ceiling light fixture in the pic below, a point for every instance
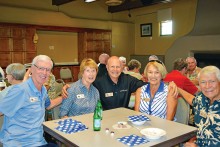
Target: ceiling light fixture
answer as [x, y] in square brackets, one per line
[113, 2]
[89, 1]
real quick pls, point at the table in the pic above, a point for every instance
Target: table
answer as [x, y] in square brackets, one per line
[176, 132]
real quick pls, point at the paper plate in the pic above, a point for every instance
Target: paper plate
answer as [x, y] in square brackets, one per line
[153, 133]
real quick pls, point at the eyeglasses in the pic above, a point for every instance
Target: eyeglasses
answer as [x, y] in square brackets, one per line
[42, 68]
[210, 82]
[158, 61]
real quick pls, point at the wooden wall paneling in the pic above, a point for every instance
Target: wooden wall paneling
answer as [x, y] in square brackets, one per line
[107, 47]
[17, 57]
[29, 56]
[5, 59]
[75, 72]
[5, 31]
[4, 44]
[17, 32]
[18, 44]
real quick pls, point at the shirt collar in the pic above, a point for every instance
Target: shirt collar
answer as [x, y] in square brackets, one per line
[160, 89]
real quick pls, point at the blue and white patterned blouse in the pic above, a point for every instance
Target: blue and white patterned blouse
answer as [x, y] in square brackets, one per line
[207, 119]
[80, 100]
[157, 105]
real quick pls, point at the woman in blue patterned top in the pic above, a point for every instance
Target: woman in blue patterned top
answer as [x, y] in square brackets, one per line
[83, 96]
[206, 105]
[155, 98]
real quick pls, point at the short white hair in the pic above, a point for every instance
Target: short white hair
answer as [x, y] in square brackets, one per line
[210, 70]
[122, 58]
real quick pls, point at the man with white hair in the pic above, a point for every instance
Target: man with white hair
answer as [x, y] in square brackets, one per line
[206, 105]
[192, 70]
[24, 107]
[103, 58]
[123, 61]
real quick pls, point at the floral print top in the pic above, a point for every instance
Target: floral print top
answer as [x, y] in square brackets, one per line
[207, 119]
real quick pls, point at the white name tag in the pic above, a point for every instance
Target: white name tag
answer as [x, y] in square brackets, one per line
[109, 94]
[33, 99]
[80, 96]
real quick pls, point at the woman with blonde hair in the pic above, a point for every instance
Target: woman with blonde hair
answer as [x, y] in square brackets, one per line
[82, 95]
[155, 98]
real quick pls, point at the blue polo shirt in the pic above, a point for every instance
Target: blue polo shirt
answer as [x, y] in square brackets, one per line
[24, 108]
[207, 119]
[80, 100]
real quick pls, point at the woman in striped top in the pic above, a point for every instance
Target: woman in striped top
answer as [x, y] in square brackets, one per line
[156, 98]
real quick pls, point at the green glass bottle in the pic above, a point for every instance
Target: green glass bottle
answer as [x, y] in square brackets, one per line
[96, 120]
[99, 104]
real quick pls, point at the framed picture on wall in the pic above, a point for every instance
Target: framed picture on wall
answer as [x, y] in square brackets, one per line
[146, 30]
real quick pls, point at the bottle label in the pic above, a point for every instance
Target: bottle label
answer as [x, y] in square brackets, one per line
[97, 123]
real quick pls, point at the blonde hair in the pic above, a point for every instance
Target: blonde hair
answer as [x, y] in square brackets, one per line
[87, 62]
[158, 65]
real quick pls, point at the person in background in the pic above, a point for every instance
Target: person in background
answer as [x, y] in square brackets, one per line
[22, 101]
[2, 74]
[50, 84]
[15, 73]
[103, 58]
[155, 98]
[178, 76]
[134, 67]
[153, 57]
[207, 108]
[123, 61]
[192, 70]
[115, 87]
[83, 96]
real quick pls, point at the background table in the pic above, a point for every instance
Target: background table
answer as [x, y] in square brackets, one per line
[176, 132]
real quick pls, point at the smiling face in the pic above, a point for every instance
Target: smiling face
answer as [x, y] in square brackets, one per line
[40, 72]
[153, 74]
[210, 86]
[191, 64]
[114, 68]
[89, 75]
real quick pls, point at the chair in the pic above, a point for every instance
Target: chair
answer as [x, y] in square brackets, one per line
[66, 74]
[182, 112]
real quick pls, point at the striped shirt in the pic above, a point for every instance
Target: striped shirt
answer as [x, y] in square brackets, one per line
[80, 100]
[156, 105]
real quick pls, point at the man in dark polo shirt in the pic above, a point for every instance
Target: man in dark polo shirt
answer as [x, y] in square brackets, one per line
[115, 87]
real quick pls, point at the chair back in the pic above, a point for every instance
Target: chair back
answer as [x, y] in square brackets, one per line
[66, 74]
[182, 112]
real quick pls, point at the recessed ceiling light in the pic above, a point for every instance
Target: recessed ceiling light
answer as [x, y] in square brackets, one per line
[89, 1]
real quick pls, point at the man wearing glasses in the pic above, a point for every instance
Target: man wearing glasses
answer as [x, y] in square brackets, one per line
[24, 107]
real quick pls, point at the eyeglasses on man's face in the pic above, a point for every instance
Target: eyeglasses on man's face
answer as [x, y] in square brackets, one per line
[42, 68]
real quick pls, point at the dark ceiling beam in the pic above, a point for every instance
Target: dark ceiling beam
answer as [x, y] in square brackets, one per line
[60, 2]
[132, 4]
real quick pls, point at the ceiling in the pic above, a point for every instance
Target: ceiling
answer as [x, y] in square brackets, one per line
[123, 5]
[97, 10]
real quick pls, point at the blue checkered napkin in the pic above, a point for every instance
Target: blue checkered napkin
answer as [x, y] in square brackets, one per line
[70, 126]
[135, 118]
[132, 140]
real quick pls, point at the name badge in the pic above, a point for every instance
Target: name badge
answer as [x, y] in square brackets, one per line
[146, 99]
[109, 94]
[33, 99]
[80, 96]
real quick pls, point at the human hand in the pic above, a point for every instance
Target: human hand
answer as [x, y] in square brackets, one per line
[173, 89]
[27, 74]
[64, 90]
[190, 144]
